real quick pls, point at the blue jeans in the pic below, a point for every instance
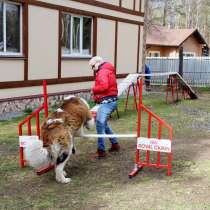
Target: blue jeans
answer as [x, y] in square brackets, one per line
[102, 126]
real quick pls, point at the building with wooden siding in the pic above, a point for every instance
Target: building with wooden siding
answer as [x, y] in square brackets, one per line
[165, 42]
[54, 40]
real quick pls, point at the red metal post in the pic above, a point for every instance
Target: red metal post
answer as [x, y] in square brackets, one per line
[149, 136]
[44, 169]
[135, 92]
[29, 127]
[37, 125]
[173, 87]
[170, 154]
[159, 137]
[134, 97]
[21, 156]
[137, 161]
[126, 102]
[45, 98]
[140, 84]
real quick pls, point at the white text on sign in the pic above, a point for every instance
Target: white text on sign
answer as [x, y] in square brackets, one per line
[24, 140]
[152, 144]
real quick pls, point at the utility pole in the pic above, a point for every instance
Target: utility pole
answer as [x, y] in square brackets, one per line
[181, 61]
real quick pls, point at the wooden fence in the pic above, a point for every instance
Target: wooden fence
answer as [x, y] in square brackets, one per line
[196, 70]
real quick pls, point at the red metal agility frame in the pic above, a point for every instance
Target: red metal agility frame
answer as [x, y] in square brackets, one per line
[134, 86]
[173, 87]
[27, 122]
[139, 164]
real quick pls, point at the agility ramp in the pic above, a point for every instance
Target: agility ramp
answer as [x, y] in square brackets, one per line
[187, 87]
[181, 80]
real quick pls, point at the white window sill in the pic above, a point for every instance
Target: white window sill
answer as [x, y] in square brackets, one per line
[11, 54]
[71, 57]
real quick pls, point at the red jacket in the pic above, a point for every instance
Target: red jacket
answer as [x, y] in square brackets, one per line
[105, 82]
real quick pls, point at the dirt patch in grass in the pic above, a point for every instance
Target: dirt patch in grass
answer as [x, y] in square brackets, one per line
[104, 184]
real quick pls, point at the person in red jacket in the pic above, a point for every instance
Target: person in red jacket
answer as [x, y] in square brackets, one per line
[104, 94]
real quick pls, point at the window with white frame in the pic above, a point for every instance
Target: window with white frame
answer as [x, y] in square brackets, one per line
[10, 28]
[189, 54]
[76, 36]
[154, 53]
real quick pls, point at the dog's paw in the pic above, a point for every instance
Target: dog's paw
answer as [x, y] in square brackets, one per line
[63, 180]
[73, 150]
[66, 180]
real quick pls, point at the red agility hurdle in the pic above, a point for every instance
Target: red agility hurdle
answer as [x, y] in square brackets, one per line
[139, 164]
[173, 87]
[27, 123]
[162, 145]
[134, 87]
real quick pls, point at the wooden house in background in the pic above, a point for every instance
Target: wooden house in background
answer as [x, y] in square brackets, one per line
[165, 42]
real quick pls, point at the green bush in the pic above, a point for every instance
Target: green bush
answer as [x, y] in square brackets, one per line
[28, 110]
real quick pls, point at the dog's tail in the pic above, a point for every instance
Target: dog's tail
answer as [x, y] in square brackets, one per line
[36, 155]
[90, 123]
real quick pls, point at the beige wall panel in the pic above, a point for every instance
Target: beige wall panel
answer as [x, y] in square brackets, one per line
[141, 53]
[137, 6]
[29, 91]
[114, 2]
[127, 48]
[128, 4]
[11, 70]
[75, 68]
[43, 43]
[142, 5]
[106, 39]
[90, 8]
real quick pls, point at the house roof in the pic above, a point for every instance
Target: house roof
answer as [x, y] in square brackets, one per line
[162, 36]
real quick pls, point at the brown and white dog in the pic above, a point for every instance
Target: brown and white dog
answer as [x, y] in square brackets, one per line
[58, 132]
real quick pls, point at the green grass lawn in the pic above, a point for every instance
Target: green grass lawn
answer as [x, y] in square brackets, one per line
[104, 184]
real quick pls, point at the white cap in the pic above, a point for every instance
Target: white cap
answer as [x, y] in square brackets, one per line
[95, 62]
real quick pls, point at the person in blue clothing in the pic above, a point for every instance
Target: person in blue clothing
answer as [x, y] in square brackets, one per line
[147, 70]
[105, 94]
